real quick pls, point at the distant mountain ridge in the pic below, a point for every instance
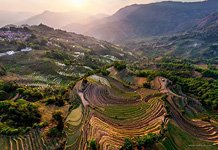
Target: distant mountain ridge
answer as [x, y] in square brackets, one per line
[55, 19]
[7, 17]
[208, 20]
[199, 41]
[153, 19]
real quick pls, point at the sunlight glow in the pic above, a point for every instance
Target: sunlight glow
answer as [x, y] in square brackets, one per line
[78, 2]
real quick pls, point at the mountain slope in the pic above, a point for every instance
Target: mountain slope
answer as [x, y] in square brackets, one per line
[55, 19]
[198, 42]
[152, 20]
[82, 27]
[54, 56]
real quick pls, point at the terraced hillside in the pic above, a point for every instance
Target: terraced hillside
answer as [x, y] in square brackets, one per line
[207, 131]
[31, 141]
[108, 104]
[111, 113]
[112, 109]
[43, 55]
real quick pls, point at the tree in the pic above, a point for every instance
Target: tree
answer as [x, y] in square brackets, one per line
[128, 144]
[93, 145]
[105, 72]
[58, 117]
[147, 140]
[147, 85]
[3, 95]
[53, 132]
[2, 70]
[120, 65]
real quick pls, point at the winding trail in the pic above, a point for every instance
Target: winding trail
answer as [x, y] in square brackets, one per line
[203, 130]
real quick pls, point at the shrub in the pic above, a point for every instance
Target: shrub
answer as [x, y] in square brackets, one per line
[3, 95]
[120, 65]
[58, 117]
[147, 85]
[41, 125]
[53, 132]
[105, 72]
[93, 145]
[7, 86]
[19, 114]
[142, 74]
[50, 100]
[128, 144]
[20, 90]
[9, 131]
[147, 141]
[59, 102]
[206, 119]
[2, 71]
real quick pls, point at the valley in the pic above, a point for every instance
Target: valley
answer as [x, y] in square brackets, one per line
[146, 80]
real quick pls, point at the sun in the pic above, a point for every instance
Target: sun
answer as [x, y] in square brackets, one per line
[78, 2]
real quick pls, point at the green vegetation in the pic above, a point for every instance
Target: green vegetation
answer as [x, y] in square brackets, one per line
[126, 112]
[204, 90]
[57, 131]
[93, 145]
[17, 117]
[104, 72]
[177, 138]
[55, 100]
[143, 142]
[19, 114]
[147, 85]
[120, 65]
[211, 74]
[149, 74]
[182, 73]
[2, 70]
[128, 144]
[147, 141]
[44, 97]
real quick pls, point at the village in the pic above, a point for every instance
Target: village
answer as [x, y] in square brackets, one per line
[9, 34]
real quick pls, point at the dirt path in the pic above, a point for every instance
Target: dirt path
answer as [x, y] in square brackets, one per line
[200, 129]
[15, 98]
[84, 101]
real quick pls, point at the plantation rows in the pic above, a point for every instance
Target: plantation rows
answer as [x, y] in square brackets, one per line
[198, 128]
[77, 131]
[115, 117]
[98, 95]
[112, 114]
[31, 141]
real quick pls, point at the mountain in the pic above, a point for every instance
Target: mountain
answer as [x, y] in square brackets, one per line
[55, 19]
[7, 17]
[211, 19]
[198, 42]
[82, 27]
[55, 56]
[155, 19]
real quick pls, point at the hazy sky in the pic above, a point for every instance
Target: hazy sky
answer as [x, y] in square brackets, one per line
[88, 6]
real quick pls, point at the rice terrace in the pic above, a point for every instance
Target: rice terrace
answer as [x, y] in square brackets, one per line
[109, 75]
[110, 116]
